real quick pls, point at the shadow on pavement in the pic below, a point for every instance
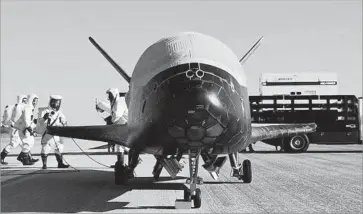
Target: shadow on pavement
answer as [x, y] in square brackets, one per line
[85, 190]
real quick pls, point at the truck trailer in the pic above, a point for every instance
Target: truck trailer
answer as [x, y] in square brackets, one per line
[338, 118]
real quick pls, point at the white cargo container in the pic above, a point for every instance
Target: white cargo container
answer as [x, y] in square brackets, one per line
[307, 83]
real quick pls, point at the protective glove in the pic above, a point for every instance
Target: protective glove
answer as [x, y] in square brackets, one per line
[30, 130]
[108, 120]
[64, 123]
[99, 109]
[46, 116]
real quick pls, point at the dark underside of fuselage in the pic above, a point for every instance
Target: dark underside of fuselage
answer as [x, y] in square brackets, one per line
[191, 105]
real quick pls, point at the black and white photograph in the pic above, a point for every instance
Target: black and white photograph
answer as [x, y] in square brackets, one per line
[194, 106]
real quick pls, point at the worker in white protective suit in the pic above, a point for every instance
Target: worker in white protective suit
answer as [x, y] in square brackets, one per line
[25, 126]
[105, 110]
[13, 114]
[6, 116]
[53, 116]
[119, 114]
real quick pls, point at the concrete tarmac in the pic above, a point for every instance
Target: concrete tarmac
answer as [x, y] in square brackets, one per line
[326, 179]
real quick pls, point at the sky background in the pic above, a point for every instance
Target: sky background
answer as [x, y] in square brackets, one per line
[45, 48]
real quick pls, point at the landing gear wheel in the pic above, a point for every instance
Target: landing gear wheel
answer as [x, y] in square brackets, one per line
[121, 175]
[186, 195]
[247, 171]
[296, 144]
[197, 198]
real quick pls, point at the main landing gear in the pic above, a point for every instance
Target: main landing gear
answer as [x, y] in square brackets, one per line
[241, 171]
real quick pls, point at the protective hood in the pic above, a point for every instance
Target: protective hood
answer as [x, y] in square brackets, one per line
[114, 92]
[55, 97]
[31, 97]
[20, 98]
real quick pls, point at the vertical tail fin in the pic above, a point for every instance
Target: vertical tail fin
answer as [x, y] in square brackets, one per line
[251, 51]
[113, 63]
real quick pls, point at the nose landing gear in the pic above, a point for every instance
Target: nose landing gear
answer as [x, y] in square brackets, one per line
[194, 193]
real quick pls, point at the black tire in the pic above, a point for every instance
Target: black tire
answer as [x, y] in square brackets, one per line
[120, 174]
[247, 171]
[197, 198]
[186, 195]
[296, 144]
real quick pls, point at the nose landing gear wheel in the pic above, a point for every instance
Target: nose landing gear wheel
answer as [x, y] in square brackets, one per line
[197, 198]
[247, 171]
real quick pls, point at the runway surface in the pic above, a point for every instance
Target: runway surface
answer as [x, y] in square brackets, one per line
[325, 179]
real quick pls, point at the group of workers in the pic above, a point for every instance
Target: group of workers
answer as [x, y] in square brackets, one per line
[23, 125]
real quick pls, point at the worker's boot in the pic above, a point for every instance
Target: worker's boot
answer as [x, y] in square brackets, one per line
[21, 157]
[32, 159]
[44, 160]
[26, 159]
[60, 161]
[4, 153]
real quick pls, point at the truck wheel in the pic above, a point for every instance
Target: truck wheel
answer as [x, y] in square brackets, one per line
[295, 144]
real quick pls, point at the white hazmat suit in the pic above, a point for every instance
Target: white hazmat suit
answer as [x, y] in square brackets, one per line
[52, 116]
[9, 120]
[118, 112]
[7, 115]
[25, 126]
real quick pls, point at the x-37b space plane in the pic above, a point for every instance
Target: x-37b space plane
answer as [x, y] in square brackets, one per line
[187, 96]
